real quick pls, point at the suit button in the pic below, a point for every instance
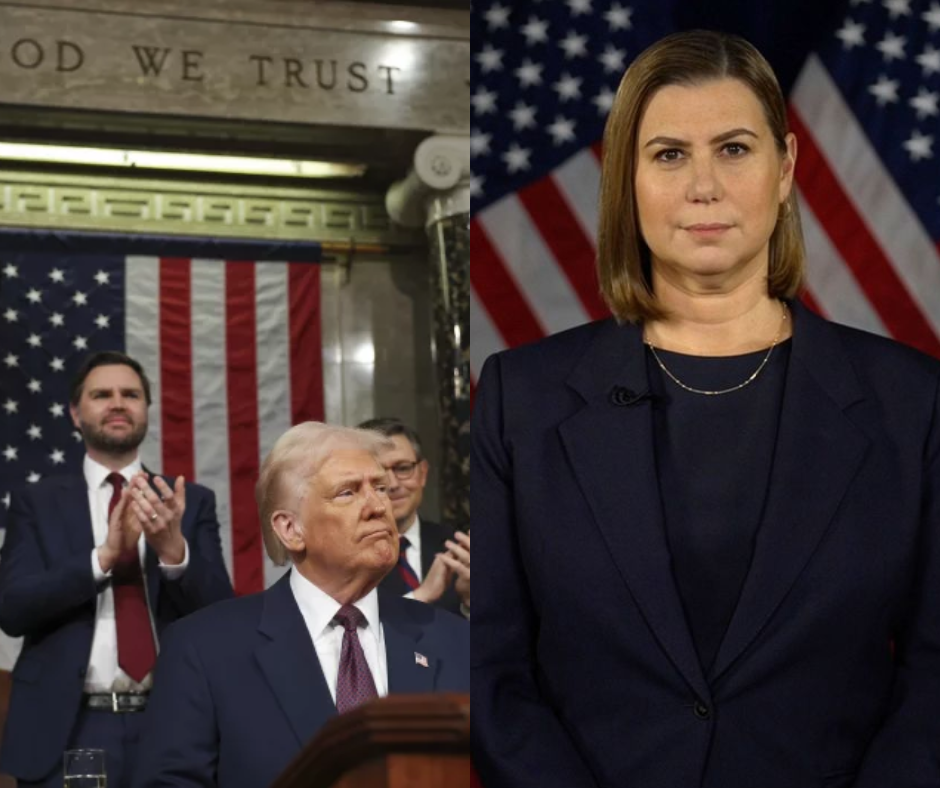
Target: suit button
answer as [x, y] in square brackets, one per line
[700, 710]
[82, 672]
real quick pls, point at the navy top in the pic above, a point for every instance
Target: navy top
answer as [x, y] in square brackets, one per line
[714, 456]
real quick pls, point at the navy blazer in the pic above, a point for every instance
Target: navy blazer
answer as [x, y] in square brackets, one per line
[48, 594]
[584, 671]
[433, 536]
[239, 689]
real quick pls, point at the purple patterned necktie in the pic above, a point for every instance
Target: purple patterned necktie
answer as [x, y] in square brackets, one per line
[354, 684]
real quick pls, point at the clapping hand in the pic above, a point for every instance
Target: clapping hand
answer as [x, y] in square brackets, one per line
[160, 515]
[457, 559]
[123, 533]
[141, 510]
[435, 581]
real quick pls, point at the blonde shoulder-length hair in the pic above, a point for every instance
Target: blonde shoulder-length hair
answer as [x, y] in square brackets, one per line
[687, 58]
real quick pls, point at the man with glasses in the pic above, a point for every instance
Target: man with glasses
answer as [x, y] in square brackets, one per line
[434, 559]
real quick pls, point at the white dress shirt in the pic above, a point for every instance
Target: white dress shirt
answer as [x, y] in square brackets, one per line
[103, 673]
[413, 553]
[318, 609]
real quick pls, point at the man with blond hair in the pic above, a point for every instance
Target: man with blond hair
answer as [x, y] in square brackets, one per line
[244, 685]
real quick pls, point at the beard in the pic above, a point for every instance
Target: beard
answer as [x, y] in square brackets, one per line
[98, 439]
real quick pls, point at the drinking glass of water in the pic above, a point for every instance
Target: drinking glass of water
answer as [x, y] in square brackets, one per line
[85, 769]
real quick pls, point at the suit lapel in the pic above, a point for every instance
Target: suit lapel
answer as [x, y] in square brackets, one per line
[612, 455]
[152, 576]
[289, 663]
[431, 545]
[818, 452]
[74, 514]
[404, 652]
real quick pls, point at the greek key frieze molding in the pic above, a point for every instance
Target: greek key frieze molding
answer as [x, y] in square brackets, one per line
[153, 207]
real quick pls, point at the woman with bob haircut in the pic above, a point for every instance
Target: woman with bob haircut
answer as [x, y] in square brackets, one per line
[708, 529]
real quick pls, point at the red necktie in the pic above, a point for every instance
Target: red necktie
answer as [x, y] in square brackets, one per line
[136, 650]
[404, 568]
[354, 683]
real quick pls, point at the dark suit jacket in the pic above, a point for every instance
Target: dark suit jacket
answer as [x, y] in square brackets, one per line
[239, 689]
[584, 671]
[48, 594]
[433, 536]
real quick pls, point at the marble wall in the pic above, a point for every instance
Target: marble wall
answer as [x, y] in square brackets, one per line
[377, 338]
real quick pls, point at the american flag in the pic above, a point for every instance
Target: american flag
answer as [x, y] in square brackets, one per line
[864, 108]
[232, 350]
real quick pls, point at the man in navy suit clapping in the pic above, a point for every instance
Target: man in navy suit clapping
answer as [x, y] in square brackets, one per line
[93, 568]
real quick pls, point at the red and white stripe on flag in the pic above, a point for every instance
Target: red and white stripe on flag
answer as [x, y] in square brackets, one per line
[532, 272]
[233, 351]
[871, 263]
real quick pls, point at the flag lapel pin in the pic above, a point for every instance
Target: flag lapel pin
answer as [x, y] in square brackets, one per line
[421, 660]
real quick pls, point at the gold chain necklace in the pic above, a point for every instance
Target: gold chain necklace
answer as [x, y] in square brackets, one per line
[747, 382]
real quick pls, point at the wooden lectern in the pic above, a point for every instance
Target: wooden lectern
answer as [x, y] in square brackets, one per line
[401, 741]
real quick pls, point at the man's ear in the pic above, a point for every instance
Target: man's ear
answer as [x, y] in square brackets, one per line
[423, 472]
[289, 530]
[73, 412]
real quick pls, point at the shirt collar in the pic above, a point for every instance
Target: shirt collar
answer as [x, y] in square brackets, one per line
[414, 533]
[95, 473]
[318, 607]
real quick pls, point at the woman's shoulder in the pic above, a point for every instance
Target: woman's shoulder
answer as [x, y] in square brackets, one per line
[869, 350]
[556, 351]
[859, 365]
[530, 385]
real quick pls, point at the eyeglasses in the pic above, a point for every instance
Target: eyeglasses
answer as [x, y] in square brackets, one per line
[404, 470]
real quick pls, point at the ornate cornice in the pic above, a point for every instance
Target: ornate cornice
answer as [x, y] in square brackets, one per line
[44, 200]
